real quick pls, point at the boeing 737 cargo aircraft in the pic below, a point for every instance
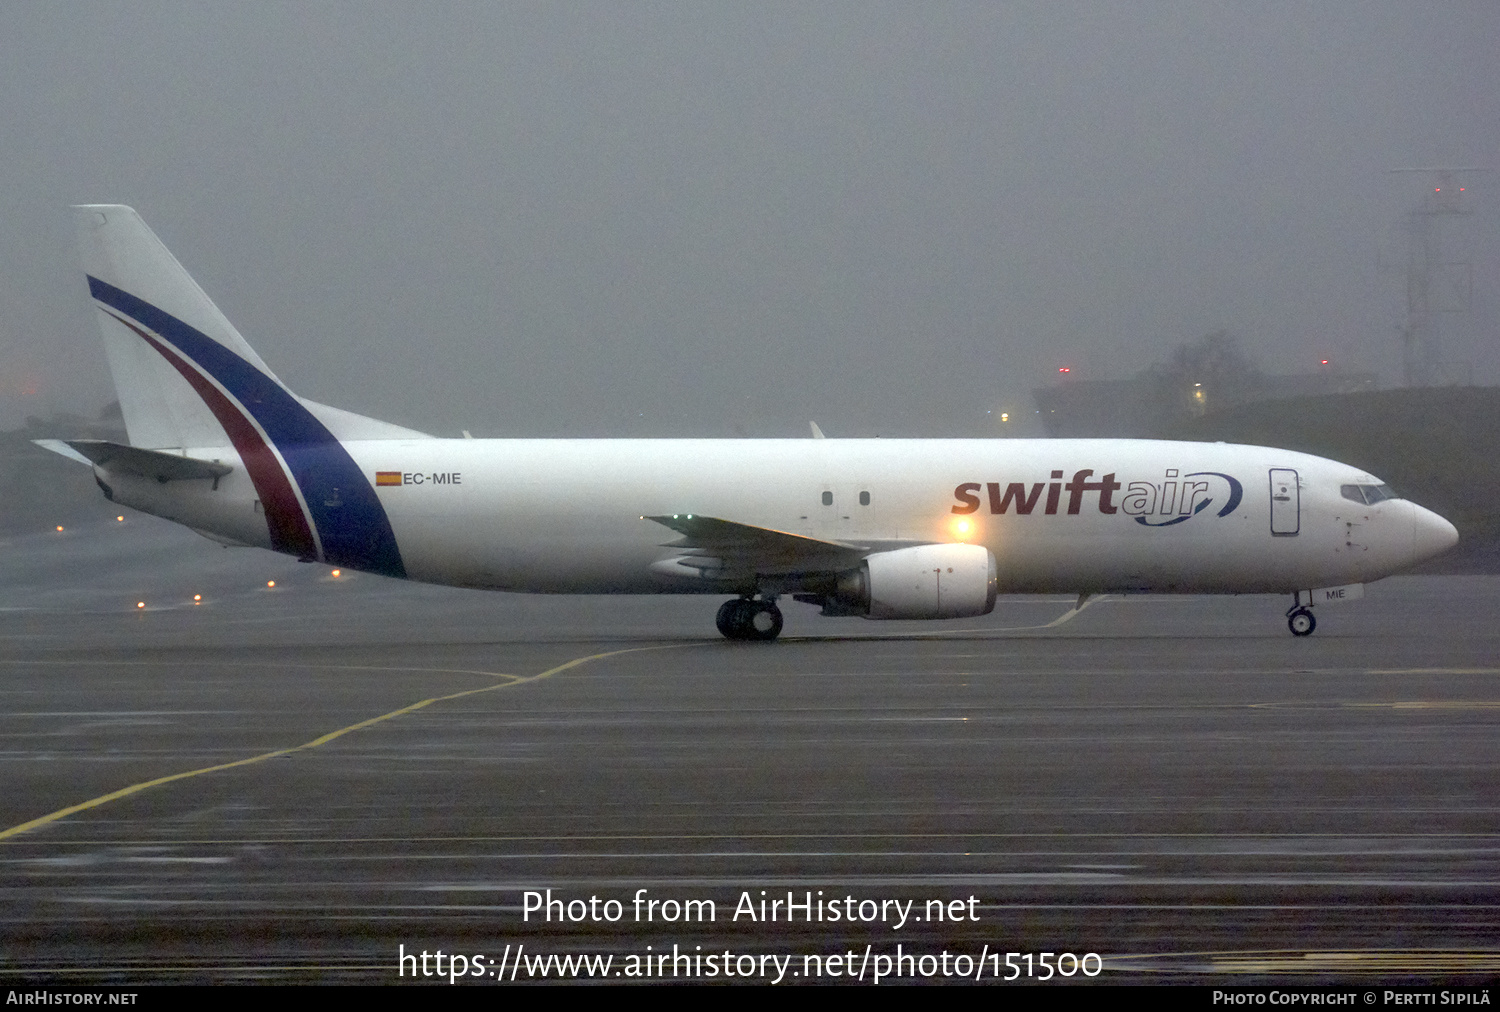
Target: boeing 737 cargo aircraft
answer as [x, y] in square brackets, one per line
[883, 528]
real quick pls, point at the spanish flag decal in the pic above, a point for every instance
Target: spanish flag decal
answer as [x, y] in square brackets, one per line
[387, 478]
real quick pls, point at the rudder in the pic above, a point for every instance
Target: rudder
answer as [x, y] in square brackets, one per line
[187, 379]
[122, 256]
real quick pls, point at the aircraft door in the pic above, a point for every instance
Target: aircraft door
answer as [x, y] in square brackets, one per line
[847, 510]
[1286, 503]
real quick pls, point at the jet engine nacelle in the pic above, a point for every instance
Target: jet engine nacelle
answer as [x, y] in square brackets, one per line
[928, 581]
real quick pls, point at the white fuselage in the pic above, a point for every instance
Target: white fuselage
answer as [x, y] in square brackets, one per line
[568, 515]
[885, 528]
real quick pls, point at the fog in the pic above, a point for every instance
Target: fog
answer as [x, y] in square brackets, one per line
[729, 219]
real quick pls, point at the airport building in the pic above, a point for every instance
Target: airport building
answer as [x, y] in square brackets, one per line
[1149, 405]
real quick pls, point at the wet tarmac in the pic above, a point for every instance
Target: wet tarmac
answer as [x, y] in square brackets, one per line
[309, 781]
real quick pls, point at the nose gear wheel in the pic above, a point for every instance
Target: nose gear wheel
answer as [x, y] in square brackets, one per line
[1300, 620]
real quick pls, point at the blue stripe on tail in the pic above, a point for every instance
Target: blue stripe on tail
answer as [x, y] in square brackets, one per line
[350, 520]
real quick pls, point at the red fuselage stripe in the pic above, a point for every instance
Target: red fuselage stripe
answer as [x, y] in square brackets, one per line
[290, 532]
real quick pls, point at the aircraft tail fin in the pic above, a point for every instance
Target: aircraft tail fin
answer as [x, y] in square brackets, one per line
[186, 379]
[136, 284]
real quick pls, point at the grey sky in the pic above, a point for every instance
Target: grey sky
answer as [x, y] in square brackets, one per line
[729, 218]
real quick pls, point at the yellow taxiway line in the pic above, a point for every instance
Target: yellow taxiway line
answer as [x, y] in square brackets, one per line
[125, 792]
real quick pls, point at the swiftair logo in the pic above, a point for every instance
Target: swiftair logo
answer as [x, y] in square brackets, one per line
[1024, 501]
[1176, 500]
[1172, 501]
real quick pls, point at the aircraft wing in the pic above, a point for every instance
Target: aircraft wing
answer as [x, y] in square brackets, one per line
[721, 548]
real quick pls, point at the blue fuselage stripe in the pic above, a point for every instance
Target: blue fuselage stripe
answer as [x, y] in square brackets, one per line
[348, 516]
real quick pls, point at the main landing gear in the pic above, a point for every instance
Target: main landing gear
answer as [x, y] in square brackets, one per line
[746, 619]
[1299, 619]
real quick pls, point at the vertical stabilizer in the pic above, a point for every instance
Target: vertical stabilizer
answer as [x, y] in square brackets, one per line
[187, 379]
[124, 260]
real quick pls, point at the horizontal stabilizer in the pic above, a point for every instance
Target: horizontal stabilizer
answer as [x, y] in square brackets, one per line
[163, 467]
[62, 449]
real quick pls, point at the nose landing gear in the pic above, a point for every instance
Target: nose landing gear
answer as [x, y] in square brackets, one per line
[747, 619]
[1299, 619]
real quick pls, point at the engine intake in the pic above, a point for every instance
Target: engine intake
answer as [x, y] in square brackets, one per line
[928, 581]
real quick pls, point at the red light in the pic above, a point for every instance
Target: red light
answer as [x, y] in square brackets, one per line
[1064, 369]
[1325, 361]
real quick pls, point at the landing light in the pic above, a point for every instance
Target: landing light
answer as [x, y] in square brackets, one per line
[120, 519]
[337, 573]
[197, 598]
[270, 583]
[140, 604]
[962, 527]
[59, 527]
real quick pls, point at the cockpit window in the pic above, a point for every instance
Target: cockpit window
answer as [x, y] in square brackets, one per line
[1369, 495]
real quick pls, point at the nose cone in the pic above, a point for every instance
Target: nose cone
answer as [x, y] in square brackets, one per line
[1430, 534]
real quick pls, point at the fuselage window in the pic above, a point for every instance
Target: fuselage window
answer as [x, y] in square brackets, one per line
[864, 498]
[827, 498]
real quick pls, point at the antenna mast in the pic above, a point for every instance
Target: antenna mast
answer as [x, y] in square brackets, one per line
[1432, 285]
